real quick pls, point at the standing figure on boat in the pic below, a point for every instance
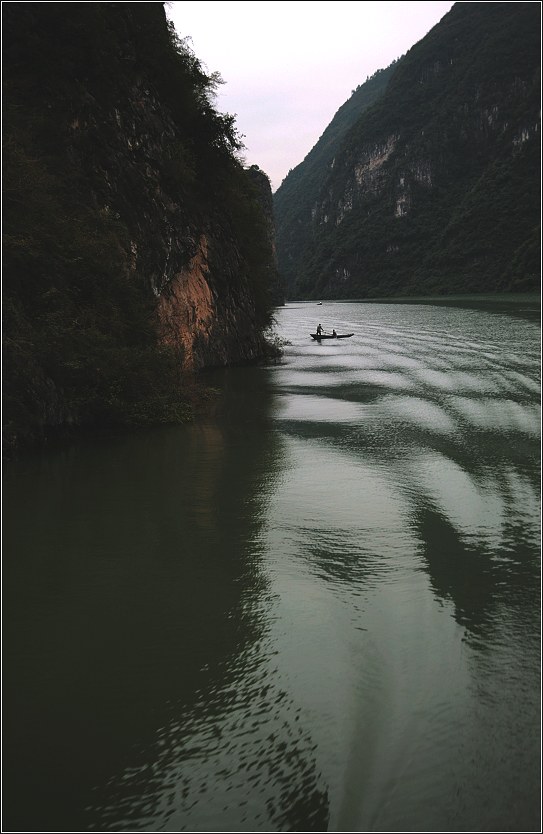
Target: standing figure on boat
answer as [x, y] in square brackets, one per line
[319, 330]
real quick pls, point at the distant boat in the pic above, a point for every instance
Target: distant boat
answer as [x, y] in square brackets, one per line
[319, 336]
[319, 303]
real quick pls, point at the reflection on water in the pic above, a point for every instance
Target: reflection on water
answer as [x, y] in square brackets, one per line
[318, 610]
[140, 645]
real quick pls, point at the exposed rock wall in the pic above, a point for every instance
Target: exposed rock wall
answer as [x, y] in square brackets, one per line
[187, 310]
[203, 327]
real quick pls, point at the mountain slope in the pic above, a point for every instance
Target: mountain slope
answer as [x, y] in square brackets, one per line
[296, 197]
[135, 244]
[435, 188]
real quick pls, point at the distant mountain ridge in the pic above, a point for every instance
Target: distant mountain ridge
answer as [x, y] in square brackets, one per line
[435, 185]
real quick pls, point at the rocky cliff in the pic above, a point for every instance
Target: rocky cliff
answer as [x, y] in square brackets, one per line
[136, 247]
[295, 202]
[262, 186]
[435, 188]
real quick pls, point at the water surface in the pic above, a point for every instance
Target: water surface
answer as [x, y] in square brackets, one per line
[316, 610]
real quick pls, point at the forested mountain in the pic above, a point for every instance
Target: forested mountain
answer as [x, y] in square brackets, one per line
[299, 191]
[435, 187]
[136, 246]
[297, 196]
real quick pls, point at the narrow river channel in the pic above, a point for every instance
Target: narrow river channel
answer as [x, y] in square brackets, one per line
[318, 609]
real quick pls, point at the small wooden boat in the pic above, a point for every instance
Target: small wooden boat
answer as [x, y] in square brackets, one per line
[319, 336]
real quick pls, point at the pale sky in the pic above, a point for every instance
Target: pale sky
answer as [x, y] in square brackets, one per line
[289, 66]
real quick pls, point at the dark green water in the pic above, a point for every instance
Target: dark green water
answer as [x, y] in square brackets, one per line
[317, 610]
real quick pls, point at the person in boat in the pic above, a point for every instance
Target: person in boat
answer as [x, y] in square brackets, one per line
[319, 330]
[334, 332]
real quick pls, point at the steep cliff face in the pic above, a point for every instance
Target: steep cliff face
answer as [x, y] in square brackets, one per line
[202, 326]
[263, 190]
[295, 201]
[136, 246]
[436, 187]
[187, 246]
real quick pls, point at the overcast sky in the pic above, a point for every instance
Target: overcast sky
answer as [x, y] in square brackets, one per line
[289, 66]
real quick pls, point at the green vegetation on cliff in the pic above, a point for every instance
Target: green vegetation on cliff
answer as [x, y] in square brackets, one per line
[116, 162]
[299, 191]
[435, 187]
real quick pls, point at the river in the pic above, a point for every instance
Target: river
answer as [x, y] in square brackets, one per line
[317, 609]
